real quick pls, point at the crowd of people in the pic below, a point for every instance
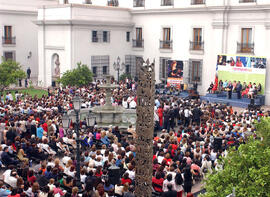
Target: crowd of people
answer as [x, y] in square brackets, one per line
[249, 90]
[38, 155]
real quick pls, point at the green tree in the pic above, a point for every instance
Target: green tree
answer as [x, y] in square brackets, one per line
[246, 169]
[10, 73]
[79, 76]
[124, 76]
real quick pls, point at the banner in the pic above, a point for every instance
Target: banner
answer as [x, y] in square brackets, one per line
[175, 73]
[248, 69]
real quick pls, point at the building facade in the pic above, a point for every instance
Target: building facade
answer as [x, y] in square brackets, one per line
[19, 35]
[97, 32]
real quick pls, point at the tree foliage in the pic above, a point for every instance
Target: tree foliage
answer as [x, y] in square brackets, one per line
[125, 76]
[79, 76]
[10, 73]
[246, 169]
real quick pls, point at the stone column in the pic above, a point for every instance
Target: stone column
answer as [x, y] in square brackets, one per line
[144, 129]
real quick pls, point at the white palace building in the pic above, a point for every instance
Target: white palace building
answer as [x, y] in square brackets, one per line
[50, 34]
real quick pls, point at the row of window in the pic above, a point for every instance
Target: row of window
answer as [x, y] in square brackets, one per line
[141, 3]
[245, 46]
[100, 67]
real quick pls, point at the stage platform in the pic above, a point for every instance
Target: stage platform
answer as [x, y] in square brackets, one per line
[217, 98]
[222, 98]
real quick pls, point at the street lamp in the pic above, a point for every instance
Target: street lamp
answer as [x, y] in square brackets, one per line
[91, 119]
[66, 119]
[118, 67]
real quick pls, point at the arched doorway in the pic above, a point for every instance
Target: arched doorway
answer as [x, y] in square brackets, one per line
[55, 68]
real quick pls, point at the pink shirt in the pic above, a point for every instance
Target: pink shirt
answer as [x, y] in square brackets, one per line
[58, 190]
[98, 136]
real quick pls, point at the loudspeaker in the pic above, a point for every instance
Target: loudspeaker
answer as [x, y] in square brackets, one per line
[114, 175]
[252, 101]
[217, 143]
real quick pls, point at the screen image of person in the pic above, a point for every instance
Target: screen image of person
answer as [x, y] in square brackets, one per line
[239, 62]
[176, 70]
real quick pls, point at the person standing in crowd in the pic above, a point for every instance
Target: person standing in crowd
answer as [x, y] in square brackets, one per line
[187, 179]
[160, 115]
[197, 113]
[229, 90]
[238, 89]
[187, 115]
[170, 192]
[28, 71]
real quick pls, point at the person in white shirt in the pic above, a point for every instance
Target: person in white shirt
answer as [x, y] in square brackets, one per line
[168, 181]
[125, 103]
[206, 166]
[12, 179]
[130, 171]
[51, 184]
[132, 104]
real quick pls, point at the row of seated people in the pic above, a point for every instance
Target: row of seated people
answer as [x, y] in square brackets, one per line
[250, 90]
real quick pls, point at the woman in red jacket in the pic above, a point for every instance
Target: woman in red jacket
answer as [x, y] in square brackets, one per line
[160, 115]
[157, 182]
[126, 179]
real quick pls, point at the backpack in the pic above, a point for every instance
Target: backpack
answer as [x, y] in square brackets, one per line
[179, 179]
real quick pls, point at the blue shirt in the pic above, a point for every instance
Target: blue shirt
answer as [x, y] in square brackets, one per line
[4, 192]
[39, 132]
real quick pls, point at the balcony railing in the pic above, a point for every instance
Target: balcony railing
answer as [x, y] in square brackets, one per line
[166, 2]
[165, 44]
[245, 47]
[8, 40]
[247, 1]
[196, 45]
[138, 3]
[197, 2]
[113, 3]
[137, 43]
[95, 39]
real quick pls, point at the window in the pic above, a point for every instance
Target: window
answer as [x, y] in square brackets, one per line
[197, 43]
[139, 33]
[106, 37]
[100, 65]
[100, 36]
[167, 34]
[9, 55]
[163, 72]
[88, 2]
[128, 36]
[94, 36]
[113, 3]
[246, 45]
[166, 43]
[127, 69]
[247, 1]
[246, 35]
[94, 69]
[166, 2]
[138, 3]
[105, 70]
[138, 42]
[197, 2]
[7, 38]
[195, 71]
[131, 65]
